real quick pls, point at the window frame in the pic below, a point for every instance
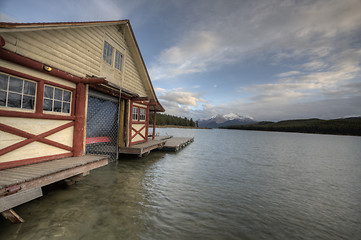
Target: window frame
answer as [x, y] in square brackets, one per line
[22, 94]
[118, 62]
[113, 55]
[108, 51]
[142, 114]
[62, 101]
[135, 114]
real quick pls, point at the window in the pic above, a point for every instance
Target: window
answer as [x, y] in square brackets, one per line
[17, 92]
[118, 60]
[56, 99]
[108, 53]
[142, 114]
[135, 114]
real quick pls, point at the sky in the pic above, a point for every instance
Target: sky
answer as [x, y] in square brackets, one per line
[267, 59]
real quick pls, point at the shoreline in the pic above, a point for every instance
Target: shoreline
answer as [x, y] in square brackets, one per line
[176, 126]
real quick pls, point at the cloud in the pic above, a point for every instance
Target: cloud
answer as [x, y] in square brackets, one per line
[6, 18]
[299, 85]
[236, 30]
[288, 74]
[181, 98]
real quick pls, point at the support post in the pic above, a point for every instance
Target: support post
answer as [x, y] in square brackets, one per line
[78, 139]
[154, 120]
[12, 216]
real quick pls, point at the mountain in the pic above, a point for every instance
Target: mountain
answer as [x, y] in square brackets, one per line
[225, 120]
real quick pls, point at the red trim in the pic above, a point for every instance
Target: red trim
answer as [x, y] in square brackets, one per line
[34, 115]
[144, 122]
[32, 138]
[79, 127]
[33, 64]
[138, 132]
[91, 140]
[147, 123]
[139, 121]
[140, 141]
[107, 90]
[27, 76]
[39, 98]
[17, 163]
[154, 120]
[2, 41]
[39, 95]
[130, 123]
[73, 103]
[59, 24]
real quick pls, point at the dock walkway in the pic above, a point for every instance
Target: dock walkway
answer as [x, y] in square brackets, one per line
[19, 185]
[164, 143]
[177, 143]
[142, 149]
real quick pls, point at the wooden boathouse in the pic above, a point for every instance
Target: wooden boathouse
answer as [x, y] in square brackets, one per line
[70, 93]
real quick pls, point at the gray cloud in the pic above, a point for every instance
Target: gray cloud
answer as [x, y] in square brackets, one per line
[236, 29]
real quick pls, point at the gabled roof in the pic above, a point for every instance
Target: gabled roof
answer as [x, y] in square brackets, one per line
[7, 27]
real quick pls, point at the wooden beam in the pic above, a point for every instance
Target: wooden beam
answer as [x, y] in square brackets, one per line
[45, 180]
[121, 123]
[19, 198]
[12, 216]
[154, 120]
[79, 127]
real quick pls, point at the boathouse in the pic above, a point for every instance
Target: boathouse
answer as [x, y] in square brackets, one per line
[68, 90]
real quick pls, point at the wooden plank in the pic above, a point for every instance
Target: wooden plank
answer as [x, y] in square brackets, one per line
[9, 177]
[45, 180]
[12, 216]
[175, 144]
[19, 198]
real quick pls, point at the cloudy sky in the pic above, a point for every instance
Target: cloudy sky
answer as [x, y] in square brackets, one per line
[269, 59]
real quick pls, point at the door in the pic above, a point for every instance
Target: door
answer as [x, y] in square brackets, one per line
[102, 125]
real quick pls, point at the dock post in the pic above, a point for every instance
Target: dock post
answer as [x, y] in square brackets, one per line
[154, 120]
[12, 216]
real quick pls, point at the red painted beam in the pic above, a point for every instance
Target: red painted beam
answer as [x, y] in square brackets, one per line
[17, 163]
[154, 120]
[78, 136]
[32, 138]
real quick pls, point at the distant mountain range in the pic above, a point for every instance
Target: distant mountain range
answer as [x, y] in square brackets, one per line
[225, 120]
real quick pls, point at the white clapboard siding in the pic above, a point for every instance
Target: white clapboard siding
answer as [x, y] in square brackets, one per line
[78, 50]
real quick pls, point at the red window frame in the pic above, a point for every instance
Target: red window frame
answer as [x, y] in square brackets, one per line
[39, 99]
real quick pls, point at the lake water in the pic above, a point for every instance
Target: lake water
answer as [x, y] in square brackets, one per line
[228, 184]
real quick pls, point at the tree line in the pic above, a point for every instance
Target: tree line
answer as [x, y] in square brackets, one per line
[344, 126]
[166, 119]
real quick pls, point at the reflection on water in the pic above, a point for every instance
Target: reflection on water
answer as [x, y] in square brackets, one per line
[225, 185]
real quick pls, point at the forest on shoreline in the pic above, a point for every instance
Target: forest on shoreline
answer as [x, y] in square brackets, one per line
[166, 119]
[344, 126]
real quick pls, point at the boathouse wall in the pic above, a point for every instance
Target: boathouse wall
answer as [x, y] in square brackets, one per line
[75, 52]
[79, 51]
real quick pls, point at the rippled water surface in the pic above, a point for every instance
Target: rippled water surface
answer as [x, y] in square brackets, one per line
[226, 185]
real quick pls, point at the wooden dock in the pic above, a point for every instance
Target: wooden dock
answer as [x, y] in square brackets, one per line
[142, 149]
[165, 143]
[177, 143]
[22, 184]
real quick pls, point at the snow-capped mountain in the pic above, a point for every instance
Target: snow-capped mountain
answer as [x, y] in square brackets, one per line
[225, 120]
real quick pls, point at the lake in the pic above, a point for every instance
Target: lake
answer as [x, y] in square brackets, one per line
[227, 184]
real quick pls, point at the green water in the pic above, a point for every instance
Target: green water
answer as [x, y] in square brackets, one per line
[226, 185]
